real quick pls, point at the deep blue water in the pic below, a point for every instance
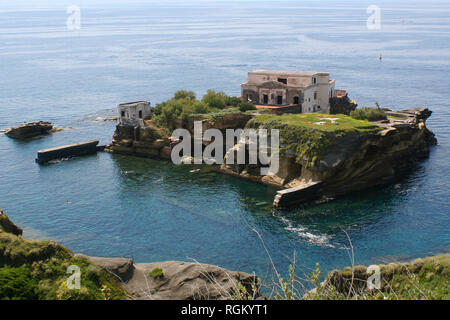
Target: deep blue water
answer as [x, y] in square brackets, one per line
[151, 210]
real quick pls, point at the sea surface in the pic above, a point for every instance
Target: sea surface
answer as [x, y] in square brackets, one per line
[113, 205]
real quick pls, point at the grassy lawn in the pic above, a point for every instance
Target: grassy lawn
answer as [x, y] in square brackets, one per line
[322, 122]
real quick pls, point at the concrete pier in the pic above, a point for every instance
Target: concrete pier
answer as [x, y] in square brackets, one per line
[70, 150]
[299, 194]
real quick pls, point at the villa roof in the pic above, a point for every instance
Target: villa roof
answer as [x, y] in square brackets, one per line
[132, 104]
[288, 72]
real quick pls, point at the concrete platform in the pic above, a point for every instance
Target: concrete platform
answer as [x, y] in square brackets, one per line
[299, 194]
[70, 150]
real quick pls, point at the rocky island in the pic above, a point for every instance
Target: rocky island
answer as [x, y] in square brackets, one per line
[334, 153]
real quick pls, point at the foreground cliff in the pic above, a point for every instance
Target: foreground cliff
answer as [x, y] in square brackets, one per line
[38, 270]
[421, 279]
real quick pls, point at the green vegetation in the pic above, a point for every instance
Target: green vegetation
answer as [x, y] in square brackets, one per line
[310, 134]
[420, 279]
[319, 121]
[157, 273]
[246, 106]
[38, 270]
[184, 104]
[17, 284]
[367, 113]
[151, 133]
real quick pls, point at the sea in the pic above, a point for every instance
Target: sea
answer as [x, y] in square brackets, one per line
[72, 62]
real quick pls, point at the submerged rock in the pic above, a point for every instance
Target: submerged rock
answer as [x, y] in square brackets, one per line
[30, 130]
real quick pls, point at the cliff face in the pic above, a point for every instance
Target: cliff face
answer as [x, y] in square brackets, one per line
[343, 153]
[154, 143]
[353, 158]
[145, 142]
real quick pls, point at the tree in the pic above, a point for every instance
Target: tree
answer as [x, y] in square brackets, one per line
[184, 94]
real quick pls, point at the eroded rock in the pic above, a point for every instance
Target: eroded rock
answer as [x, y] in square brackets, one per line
[30, 130]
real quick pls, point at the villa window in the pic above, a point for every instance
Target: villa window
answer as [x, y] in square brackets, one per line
[314, 80]
[279, 99]
[282, 80]
[265, 99]
[122, 113]
[296, 100]
[315, 95]
[140, 114]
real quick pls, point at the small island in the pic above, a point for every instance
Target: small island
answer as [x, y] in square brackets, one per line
[334, 153]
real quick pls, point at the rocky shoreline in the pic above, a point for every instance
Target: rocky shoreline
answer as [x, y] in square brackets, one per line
[38, 270]
[122, 278]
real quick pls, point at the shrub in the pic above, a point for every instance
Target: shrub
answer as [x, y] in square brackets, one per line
[156, 273]
[184, 94]
[17, 284]
[367, 113]
[215, 100]
[233, 101]
[194, 107]
[245, 106]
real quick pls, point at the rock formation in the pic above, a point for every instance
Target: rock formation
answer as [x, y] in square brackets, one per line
[348, 157]
[6, 225]
[179, 280]
[346, 161]
[30, 130]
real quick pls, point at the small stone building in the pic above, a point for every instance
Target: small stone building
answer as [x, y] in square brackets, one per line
[134, 113]
[305, 91]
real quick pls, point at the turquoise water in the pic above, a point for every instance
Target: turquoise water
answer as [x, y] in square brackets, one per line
[111, 205]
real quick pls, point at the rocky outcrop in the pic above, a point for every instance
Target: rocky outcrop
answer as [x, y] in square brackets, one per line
[122, 268]
[139, 141]
[344, 160]
[150, 142]
[178, 281]
[353, 160]
[6, 225]
[187, 281]
[422, 278]
[30, 130]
